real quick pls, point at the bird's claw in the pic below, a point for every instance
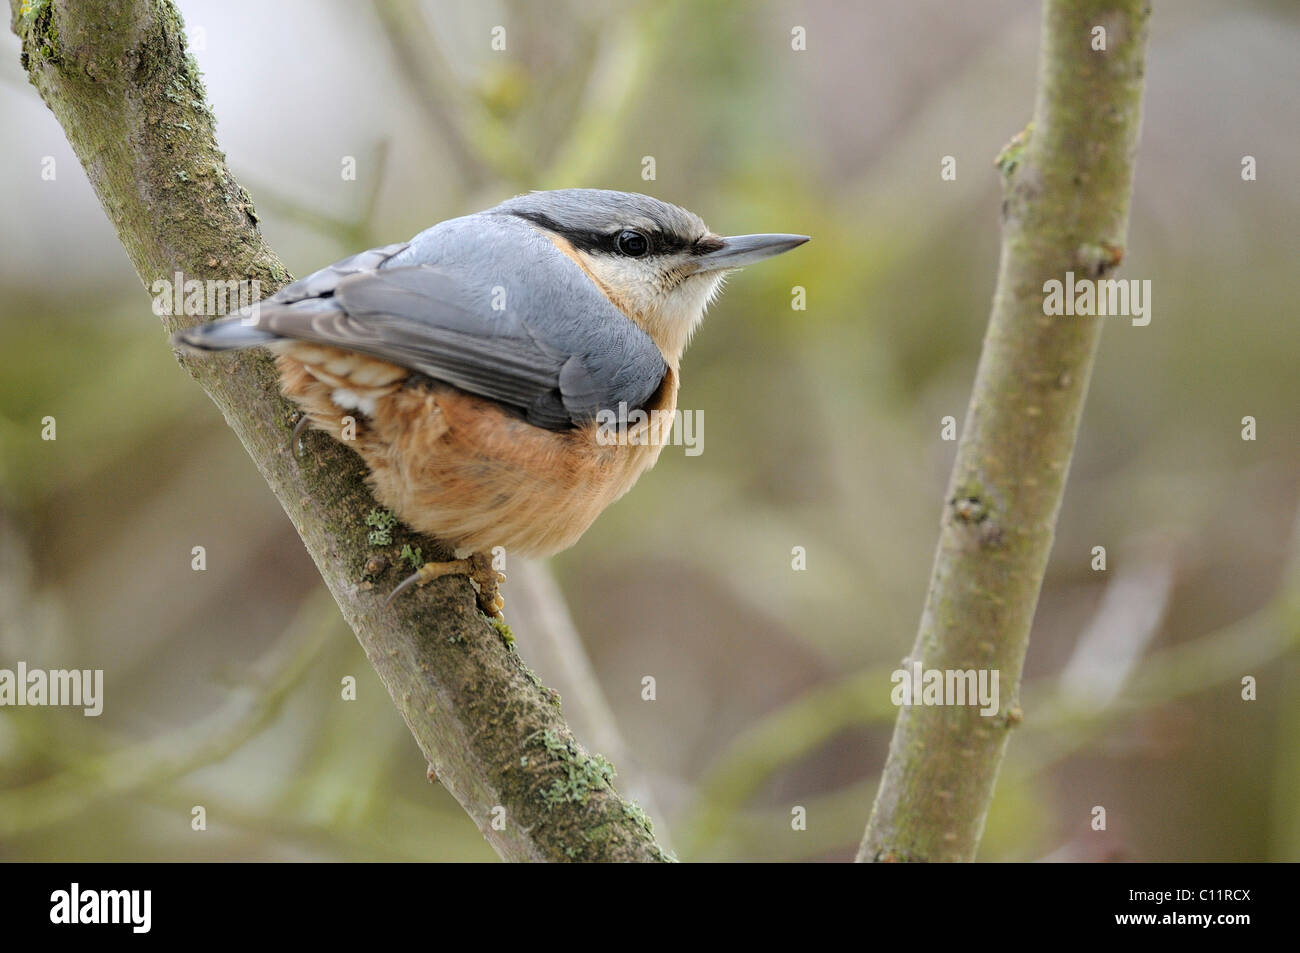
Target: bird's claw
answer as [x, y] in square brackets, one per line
[295, 446]
[478, 568]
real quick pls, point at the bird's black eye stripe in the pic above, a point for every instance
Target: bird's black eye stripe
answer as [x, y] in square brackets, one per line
[658, 242]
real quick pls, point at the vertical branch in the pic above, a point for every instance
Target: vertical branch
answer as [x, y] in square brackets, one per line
[1067, 184]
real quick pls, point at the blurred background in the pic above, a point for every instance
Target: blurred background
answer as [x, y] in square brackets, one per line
[822, 431]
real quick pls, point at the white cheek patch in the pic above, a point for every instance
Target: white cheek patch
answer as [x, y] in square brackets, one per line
[631, 280]
[350, 400]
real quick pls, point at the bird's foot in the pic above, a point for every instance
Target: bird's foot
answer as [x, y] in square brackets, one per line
[478, 567]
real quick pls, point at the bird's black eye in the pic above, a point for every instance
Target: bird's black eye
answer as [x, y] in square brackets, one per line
[631, 243]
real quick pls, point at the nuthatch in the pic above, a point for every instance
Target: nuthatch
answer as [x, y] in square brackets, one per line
[474, 359]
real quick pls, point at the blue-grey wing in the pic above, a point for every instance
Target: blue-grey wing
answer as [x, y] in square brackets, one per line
[485, 304]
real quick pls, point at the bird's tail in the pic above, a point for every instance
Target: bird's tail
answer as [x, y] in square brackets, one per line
[228, 334]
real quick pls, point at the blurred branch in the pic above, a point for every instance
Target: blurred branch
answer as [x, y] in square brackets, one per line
[1238, 649]
[1060, 722]
[405, 838]
[1132, 609]
[1067, 187]
[271, 827]
[121, 82]
[545, 630]
[778, 739]
[150, 764]
[427, 73]
[624, 69]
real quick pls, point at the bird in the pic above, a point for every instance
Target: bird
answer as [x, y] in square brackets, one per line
[473, 367]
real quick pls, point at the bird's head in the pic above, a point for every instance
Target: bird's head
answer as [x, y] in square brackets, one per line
[659, 264]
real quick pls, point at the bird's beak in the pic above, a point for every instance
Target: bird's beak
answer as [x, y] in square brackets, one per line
[740, 250]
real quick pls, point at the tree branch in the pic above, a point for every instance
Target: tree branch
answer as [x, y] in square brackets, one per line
[117, 75]
[1067, 186]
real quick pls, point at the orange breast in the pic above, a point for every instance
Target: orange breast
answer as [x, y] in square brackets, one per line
[461, 468]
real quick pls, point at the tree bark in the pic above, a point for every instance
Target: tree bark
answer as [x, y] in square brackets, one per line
[1067, 182]
[117, 75]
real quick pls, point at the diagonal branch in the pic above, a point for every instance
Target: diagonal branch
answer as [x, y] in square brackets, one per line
[1068, 181]
[117, 75]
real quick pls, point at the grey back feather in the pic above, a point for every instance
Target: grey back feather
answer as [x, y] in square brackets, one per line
[485, 303]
